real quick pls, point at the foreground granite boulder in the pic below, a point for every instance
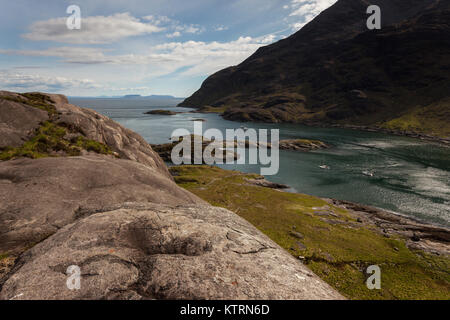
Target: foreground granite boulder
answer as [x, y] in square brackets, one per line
[37, 197]
[150, 251]
[94, 194]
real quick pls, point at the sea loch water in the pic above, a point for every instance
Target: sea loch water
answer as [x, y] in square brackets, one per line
[401, 174]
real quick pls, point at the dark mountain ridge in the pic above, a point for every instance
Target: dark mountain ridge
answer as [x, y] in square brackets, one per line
[336, 71]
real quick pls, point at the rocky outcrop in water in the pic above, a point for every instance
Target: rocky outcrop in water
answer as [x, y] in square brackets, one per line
[162, 112]
[302, 145]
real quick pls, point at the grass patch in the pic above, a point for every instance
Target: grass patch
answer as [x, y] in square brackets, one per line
[210, 109]
[335, 247]
[35, 100]
[432, 119]
[41, 101]
[92, 145]
[48, 140]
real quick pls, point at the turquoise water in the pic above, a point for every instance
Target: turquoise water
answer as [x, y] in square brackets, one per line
[409, 176]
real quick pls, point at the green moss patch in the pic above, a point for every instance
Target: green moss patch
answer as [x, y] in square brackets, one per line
[327, 238]
[432, 119]
[210, 109]
[35, 100]
[48, 140]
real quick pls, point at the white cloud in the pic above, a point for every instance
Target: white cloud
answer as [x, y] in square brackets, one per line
[191, 28]
[220, 28]
[158, 20]
[22, 82]
[199, 58]
[18, 81]
[175, 25]
[203, 58]
[68, 54]
[94, 30]
[174, 35]
[305, 11]
[101, 29]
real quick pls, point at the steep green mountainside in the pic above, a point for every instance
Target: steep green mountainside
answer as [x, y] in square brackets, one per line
[336, 71]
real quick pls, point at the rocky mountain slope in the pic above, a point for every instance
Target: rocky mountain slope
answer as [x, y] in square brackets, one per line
[76, 188]
[335, 71]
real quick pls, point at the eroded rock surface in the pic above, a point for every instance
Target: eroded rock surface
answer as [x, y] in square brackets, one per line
[127, 143]
[427, 237]
[120, 217]
[149, 251]
[39, 196]
[17, 121]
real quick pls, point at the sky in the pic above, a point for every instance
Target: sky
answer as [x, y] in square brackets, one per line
[137, 46]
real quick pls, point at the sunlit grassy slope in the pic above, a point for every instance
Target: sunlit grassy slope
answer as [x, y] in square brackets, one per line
[432, 120]
[327, 238]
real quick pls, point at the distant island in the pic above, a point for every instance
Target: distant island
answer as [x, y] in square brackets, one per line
[162, 112]
[129, 96]
[153, 96]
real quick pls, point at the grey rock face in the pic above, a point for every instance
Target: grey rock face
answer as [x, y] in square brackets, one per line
[149, 251]
[132, 231]
[17, 121]
[37, 197]
[128, 144]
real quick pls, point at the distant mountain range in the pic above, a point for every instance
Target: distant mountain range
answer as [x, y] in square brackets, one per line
[335, 71]
[132, 96]
[152, 100]
[153, 96]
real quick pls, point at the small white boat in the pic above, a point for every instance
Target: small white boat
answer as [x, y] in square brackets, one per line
[368, 173]
[325, 167]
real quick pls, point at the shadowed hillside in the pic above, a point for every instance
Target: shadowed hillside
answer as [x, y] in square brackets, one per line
[336, 71]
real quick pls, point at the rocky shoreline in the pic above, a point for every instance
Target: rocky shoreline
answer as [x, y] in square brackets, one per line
[421, 235]
[429, 237]
[416, 135]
